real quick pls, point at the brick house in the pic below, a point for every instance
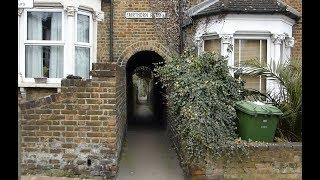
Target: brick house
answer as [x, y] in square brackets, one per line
[67, 122]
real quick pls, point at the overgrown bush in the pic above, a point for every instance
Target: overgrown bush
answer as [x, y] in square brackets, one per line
[289, 98]
[201, 96]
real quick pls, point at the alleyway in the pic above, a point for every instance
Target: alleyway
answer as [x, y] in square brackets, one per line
[147, 154]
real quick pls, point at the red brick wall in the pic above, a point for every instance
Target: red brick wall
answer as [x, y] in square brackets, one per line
[131, 33]
[64, 130]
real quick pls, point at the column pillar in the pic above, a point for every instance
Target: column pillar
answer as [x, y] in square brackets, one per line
[227, 49]
[69, 60]
[272, 85]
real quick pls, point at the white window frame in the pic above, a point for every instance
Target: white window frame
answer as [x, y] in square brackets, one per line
[253, 37]
[82, 44]
[31, 81]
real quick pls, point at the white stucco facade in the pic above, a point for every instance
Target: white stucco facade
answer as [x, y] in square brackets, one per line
[276, 29]
[69, 9]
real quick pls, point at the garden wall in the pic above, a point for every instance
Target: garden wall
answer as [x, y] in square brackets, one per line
[77, 130]
[264, 161]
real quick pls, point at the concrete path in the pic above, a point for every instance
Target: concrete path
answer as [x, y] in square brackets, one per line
[147, 154]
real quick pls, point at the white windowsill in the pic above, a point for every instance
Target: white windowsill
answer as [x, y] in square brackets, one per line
[43, 85]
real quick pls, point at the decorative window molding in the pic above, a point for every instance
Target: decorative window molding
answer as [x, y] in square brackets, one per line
[20, 11]
[71, 10]
[289, 41]
[277, 38]
[226, 38]
[98, 16]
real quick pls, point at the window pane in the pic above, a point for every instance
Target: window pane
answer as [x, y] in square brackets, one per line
[44, 26]
[44, 61]
[212, 45]
[264, 51]
[82, 62]
[83, 28]
[254, 83]
[250, 49]
[251, 82]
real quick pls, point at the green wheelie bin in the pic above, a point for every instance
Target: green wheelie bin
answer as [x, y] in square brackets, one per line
[257, 121]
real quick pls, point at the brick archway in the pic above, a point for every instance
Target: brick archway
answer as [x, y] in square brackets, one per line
[143, 46]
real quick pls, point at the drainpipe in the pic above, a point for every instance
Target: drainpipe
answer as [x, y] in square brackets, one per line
[111, 31]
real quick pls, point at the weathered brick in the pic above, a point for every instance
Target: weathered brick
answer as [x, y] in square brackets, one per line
[94, 101]
[93, 123]
[68, 111]
[69, 122]
[69, 134]
[94, 112]
[83, 95]
[94, 134]
[57, 128]
[43, 111]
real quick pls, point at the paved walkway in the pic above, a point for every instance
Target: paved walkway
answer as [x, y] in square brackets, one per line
[147, 154]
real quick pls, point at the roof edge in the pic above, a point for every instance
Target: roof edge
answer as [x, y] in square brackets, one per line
[291, 9]
[199, 7]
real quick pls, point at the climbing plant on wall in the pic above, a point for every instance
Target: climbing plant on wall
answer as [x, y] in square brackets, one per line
[201, 96]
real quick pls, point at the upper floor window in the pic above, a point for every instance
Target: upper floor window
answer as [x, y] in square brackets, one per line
[44, 47]
[248, 49]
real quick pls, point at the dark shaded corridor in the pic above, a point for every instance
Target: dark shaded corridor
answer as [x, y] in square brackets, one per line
[146, 152]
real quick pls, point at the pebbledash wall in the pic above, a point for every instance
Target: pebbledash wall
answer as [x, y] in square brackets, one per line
[80, 127]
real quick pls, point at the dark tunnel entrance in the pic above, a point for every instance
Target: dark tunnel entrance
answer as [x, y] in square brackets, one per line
[146, 151]
[145, 98]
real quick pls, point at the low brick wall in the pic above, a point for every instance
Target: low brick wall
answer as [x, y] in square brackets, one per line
[264, 161]
[76, 130]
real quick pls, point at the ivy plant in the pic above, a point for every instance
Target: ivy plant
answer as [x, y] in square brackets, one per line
[201, 95]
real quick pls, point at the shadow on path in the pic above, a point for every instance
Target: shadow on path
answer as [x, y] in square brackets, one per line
[147, 154]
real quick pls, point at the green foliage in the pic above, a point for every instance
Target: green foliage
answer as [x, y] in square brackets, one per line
[289, 98]
[141, 78]
[201, 96]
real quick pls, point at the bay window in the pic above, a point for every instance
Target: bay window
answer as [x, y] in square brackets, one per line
[53, 45]
[248, 49]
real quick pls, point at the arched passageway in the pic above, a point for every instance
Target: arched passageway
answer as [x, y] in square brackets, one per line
[145, 101]
[146, 152]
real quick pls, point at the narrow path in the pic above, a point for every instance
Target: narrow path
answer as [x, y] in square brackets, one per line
[147, 154]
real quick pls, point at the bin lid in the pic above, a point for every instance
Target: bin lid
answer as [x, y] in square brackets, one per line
[254, 108]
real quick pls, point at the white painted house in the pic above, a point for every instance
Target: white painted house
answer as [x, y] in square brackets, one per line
[242, 30]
